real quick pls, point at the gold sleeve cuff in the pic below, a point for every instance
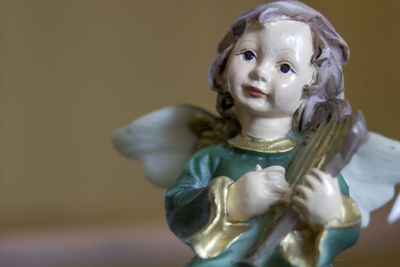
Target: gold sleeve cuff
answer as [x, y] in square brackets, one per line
[350, 215]
[219, 231]
[302, 247]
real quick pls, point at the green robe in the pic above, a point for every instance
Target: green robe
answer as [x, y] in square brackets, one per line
[187, 205]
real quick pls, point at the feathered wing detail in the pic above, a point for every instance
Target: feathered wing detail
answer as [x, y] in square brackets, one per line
[161, 140]
[372, 174]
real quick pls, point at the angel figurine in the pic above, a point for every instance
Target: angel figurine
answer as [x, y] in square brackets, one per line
[283, 177]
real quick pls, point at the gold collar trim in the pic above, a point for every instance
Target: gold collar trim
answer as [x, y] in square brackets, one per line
[262, 145]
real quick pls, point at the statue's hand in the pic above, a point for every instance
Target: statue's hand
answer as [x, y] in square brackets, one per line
[255, 192]
[318, 199]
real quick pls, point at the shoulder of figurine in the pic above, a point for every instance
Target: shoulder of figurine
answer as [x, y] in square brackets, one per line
[215, 150]
[199, 168]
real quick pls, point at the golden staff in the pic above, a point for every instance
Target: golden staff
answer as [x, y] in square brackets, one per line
[328, 147]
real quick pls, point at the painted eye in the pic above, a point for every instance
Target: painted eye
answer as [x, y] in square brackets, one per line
[249, 55]
[285, 68]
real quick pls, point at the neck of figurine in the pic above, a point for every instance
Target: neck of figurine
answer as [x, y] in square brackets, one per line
[270, 128]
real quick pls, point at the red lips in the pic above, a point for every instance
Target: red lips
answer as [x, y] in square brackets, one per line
[254, 92]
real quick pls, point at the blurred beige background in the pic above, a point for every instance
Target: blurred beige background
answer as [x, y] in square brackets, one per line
[71, 72]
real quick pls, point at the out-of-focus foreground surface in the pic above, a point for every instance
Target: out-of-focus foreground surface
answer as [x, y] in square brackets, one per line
[71, 72]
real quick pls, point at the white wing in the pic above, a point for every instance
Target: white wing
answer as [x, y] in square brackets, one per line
[395, 212]
[161, 140]
[372, 174]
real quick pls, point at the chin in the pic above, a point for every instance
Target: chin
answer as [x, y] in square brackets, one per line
[260, 112]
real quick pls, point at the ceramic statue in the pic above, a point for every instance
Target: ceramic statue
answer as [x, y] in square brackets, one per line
[283, 177]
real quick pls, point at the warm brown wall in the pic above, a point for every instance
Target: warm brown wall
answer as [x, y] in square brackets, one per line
[73, 71]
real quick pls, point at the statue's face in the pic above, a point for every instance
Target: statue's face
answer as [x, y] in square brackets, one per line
[269, 67]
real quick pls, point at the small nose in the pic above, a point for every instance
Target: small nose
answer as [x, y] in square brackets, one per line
[260, 73]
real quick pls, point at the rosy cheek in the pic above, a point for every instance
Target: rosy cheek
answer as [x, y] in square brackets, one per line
[288, 96]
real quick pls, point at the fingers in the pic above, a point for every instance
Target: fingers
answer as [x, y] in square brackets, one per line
[299, 203]
[316, 178]
[312, 181]
[277, 197]
[275, 172]
[315, 183]
[303, 191]
[278, 188]
[275, 168]
[321, 175]
[326, 178]
[300, 206]
[274, 177]
[270, 169]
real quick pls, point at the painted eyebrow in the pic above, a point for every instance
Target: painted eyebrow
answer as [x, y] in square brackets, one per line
[288, 53]
[245, 41]
[287, 50]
